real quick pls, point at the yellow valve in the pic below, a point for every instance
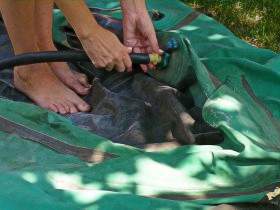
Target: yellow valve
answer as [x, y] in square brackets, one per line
[155, 58]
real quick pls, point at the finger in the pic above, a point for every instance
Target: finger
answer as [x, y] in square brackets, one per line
[153, 42]
[127, 62]
[149, 50]
[147, 47]
[146, 44]
[110, 67]
[136, 50]
[129, 50]
[151, 66]
[103, 61]
[100, 64]
[144, 68]
[120, 67]
[93, 61]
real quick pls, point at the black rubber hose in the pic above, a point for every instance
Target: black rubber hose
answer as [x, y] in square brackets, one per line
[60, 56]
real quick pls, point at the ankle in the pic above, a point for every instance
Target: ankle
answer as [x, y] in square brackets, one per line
[27, 71]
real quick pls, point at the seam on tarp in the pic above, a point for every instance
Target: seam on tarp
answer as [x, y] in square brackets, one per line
[86, 154]
[179, 197]
[251, 93]
[187, 20]
[254, 97]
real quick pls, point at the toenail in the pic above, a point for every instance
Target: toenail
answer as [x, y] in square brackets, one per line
[84, 107]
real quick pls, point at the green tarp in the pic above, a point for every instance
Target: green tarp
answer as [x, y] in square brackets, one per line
[238, 87]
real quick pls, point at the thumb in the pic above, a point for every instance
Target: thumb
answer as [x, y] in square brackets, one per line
[129, 50]
[154, 43]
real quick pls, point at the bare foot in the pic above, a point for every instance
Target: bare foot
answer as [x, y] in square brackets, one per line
[74, 80]
[41, 85]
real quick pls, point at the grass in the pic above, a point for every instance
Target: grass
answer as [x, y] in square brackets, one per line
[256, 21]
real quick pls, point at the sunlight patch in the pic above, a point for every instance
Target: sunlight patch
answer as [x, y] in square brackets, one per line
[227, 103]
[191, 28]
[70, 182]
[29, 177]
[117, 180]
[216, 37]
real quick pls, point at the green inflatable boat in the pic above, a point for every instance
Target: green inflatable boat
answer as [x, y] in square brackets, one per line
[231, 160]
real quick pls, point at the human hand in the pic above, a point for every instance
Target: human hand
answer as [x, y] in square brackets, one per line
[103, 47]
[106, 51]
[139, 34]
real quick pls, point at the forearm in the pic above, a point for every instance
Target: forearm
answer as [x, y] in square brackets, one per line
[79, 17]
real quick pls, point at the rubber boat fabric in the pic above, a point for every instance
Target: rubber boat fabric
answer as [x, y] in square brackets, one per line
[201, 134]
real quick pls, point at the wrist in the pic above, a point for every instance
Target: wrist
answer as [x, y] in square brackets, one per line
[85, 33]
[136, 16]
[133, 7]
